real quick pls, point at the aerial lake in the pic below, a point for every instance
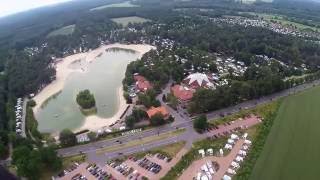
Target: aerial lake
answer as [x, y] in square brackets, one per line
[103, 78]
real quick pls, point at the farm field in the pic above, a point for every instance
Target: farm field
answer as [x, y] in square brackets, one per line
[124, 21]
[284, 21]
[67, 30]
[117, 5]
[292, 149]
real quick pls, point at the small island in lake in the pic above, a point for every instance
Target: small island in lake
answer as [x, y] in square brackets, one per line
[87, 102]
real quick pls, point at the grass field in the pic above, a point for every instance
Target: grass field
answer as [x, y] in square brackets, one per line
[117, 5]
[67, 30]
[292, 147]
[124, 21]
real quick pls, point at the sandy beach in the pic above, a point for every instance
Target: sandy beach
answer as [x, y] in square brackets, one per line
[64, 69]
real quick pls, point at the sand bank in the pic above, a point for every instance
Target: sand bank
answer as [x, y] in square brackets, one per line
[64, 68]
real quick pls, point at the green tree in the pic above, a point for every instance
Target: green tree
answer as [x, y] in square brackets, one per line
[3, 150]
[200, 123]
[157, 120]
[130, 121]
[32, 103]
[50, 159]
[67, 138]
[85, 99]
[27, 161]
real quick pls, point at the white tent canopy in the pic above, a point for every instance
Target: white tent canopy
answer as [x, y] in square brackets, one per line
[247, 142]
[226, 177]
[239, 158]
[245, 135]
[228, 146]
[231, 171]
[230, 141]
[234, 137]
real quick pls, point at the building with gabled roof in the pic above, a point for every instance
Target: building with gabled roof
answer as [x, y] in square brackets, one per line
[162, 110]
[142, 84]
[182, 93]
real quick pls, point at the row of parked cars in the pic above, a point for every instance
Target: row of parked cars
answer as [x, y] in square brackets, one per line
[163, 157]
[122, 168]
[150, 166]
[19, 113]
[97, 172]
[79, 177]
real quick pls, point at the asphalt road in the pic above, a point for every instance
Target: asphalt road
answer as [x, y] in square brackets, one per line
[182, 122]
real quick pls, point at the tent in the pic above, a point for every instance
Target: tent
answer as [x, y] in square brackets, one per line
[234, 137]
[228, 146]
[230, 141]
[239, 158]
[248, 142]
[201, 152]
[245, 147]
[235, 164]
[231, 171]
[226, 177]
[245, 135]
[221, 152]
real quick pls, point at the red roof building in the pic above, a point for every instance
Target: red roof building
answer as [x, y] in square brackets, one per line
[162, 110]
[182, 93]
[142, 84]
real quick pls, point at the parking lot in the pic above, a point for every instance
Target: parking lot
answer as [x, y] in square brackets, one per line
[84, 171]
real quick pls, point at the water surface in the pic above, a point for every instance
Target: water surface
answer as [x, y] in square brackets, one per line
[103, 79]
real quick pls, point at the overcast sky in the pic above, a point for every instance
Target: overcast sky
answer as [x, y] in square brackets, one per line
[8, 7]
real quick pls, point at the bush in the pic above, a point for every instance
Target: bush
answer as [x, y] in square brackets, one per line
[32, 103]
[157, 120]
[67, 138]
[136, 116]
[200, 123]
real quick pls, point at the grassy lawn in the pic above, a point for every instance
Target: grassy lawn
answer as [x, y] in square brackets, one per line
[126, 4]
[168, 150]
[124, 21]
[193, 155]
[141, 141]
[67, 30]
[46, 174]
[262, 110]
[68, 161]
[292, 149]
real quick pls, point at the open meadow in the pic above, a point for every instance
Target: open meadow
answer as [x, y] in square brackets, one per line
[292, 149]
[124, 21]
[67, 30]
[126, 4]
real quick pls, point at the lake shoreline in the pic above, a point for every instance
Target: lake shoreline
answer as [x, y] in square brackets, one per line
[63, 71]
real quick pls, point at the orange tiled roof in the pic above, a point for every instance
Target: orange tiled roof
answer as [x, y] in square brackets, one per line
[182, 93]
[153, 111]
[141, 83]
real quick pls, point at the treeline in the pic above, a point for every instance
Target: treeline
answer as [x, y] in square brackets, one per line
[252, 86]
